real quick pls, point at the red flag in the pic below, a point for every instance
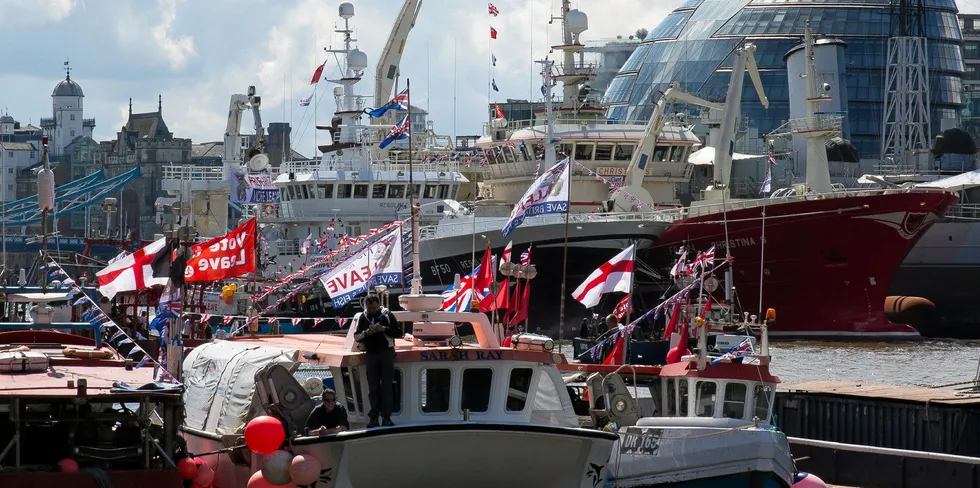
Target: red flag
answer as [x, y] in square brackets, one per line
[515, 303]
[493, 33]
[502, 298]
[624, 307]
[674, 316]
[520, 314]
[617, 356]
[484, 278]
[500, 114]
[317, 73]
[227, 256]
[680, 350]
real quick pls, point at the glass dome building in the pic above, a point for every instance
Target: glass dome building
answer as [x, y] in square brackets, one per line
[694, 46]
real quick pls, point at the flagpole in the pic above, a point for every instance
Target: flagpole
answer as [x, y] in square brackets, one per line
[416, 266]
[762, 256]
[629, 295]
[564, 263]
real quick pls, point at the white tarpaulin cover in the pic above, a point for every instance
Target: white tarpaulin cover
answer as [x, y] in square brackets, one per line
[219, 383]
[960, 182]
[706, 155]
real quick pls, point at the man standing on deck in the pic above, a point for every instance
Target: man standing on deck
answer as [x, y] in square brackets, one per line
[376, 331]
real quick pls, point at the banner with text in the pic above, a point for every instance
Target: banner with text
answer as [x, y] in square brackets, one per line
[253, 188]
[228, 256]
[548, 194]
[377, 264]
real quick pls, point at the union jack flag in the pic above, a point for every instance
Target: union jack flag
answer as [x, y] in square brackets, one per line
[743, 349]
[454, 300]
[705, 259]
[493, 10]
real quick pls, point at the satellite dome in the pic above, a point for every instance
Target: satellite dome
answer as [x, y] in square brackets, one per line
[841, 150]
[953, 141]
[357, 60]
[67, 88]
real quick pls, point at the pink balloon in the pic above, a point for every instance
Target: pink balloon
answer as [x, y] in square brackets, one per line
[264, 434]
[304, 469]
[258, 481]
[205, 475]
[68, 465]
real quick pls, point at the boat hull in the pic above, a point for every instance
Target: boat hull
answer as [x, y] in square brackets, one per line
[828, 263]
[942, 268]
[151, 478]
[714, 452]
[465, 454]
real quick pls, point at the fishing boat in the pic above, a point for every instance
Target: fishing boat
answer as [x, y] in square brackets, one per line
[462, 411]
[694, 420]
[76, 412]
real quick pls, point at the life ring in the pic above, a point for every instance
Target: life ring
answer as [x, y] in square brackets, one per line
[14, 349]
[87, 353]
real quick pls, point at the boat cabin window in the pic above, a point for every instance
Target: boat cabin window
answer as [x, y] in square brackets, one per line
[566, 150]
[396, 191]
[671, 409]
[763, 401]
[603, 152]
[379, 190]
[324, 190]
[475, 394]
[705, 406]
[360, 191]
[430, 191]
[583, 151]
[518, 388]
[660, 153]
[418, 190]
[343, 190]
[734, 400]
[355, 397]
[676, 154]
[546, 397]
[682, 398]
[291, 192]
[624, 152]
[436, 385]
[443, 192]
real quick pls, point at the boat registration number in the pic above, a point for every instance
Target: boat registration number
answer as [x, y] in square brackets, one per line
[641, 441]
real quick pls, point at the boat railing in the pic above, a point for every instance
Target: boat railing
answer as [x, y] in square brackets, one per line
[817, 123]
[963, 212]
[190, 172]
[312, 166]
[494, 224]
[703, 208]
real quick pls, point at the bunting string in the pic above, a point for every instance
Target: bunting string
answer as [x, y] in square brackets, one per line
[93, 313]
[627, 330]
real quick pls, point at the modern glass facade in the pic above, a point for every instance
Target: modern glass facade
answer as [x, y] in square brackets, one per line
[694, 44]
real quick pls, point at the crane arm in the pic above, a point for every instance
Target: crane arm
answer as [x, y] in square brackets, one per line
[387, 69]
[236, 107]
[638, 165]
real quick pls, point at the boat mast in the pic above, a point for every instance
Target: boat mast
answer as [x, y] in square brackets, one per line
[550, 157]
[416, 265]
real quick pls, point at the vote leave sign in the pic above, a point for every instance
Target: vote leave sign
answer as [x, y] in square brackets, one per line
[228, 256]
[377, 264]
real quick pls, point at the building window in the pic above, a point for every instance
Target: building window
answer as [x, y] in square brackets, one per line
[10, 154]
[73, 132]
[72, 116]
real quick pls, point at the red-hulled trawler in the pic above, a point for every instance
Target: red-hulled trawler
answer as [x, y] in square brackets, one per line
[829, 255]
[827, 262]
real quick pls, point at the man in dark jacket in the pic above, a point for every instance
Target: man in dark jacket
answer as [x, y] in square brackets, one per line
[376, 332]
[329, 417]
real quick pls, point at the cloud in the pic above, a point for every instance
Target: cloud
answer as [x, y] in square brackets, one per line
[154, 29]
[36, 10]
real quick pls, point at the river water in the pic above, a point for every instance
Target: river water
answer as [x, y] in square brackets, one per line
[891, 363]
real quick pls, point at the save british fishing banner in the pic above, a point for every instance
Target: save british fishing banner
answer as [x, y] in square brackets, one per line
[253, 188]
[228, 256]
[548, 194]
[377, 264]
